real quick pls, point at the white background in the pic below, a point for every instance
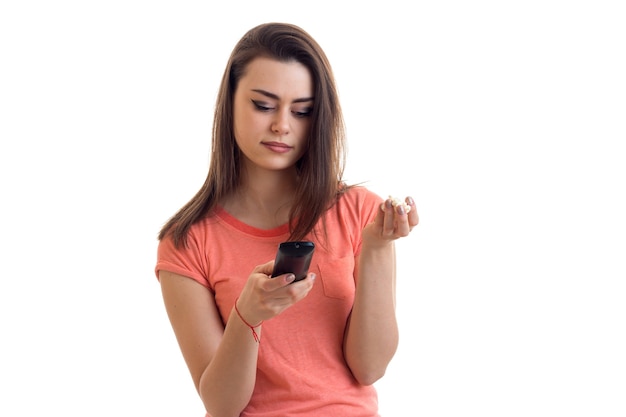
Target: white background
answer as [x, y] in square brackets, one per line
[505, 120]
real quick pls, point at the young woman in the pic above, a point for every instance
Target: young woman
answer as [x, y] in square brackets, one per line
[262, 346]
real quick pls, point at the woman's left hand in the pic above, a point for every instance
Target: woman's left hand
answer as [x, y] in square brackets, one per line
[392, 222]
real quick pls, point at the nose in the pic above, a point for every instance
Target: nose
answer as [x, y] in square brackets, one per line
[280, 123]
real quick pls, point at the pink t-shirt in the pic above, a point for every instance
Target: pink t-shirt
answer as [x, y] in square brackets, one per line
[301, 367]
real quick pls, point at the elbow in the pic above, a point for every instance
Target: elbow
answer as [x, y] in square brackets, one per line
[216, 409]
[368, 370]
[221, 408]
[220, 414]
[217, 405]
[368, 376]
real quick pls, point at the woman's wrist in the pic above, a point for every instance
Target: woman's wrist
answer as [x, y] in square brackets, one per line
[247, 323]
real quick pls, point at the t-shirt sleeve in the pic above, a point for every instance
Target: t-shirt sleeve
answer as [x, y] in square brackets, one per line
[371, 207]
[189, 261]
[368, 204]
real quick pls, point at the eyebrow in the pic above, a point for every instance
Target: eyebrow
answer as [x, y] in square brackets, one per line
[275, 97]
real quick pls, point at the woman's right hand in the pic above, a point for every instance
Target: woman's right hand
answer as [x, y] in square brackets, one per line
[264, 297]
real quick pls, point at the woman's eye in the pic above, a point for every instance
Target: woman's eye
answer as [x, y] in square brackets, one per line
[261, 106]
[264, 107]
[303, 113]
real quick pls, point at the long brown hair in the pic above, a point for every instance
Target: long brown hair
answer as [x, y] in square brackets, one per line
[320, 168]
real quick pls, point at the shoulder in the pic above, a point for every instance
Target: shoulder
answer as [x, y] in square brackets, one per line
[358, 204]
[190, 257]
[355, 208]
[360, 196]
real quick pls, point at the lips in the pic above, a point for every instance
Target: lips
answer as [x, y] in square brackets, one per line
[278, 147]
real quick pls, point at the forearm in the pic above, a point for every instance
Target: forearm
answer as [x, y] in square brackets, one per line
[372, 334]
[228, 381]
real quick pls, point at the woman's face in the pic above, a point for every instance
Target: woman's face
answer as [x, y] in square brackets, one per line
[272, 113]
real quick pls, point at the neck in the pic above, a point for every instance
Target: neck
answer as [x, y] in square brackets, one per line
[264, 198]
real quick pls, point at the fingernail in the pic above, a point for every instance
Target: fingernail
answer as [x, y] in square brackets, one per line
[388, 204]
[290, 277]
[410, 201]
[400, 208]
[313, 276]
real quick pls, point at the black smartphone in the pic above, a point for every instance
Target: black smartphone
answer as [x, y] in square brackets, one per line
[294, 257]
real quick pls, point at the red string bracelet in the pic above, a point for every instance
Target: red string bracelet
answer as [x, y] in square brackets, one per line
[254, 333]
